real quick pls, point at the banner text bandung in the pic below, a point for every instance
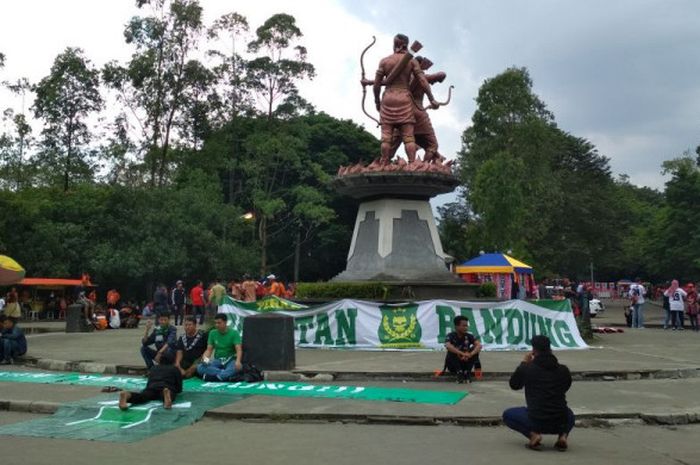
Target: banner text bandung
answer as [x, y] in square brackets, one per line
[424, 325]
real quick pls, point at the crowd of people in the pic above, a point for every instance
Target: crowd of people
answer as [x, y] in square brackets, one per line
[679, 303]
[115, 312]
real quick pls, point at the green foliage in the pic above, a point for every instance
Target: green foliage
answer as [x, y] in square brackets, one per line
[671, 246]
[274, 73]
[15, 171]
[538, 191]
[456, 227]
[64, 100]
[191, 128]
[126, 237]
[486, 290]
[346, 290]
[161, 83]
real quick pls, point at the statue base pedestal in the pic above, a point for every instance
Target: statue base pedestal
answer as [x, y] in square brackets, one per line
[395, 239]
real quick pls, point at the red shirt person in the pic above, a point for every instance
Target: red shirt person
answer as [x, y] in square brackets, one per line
[197, 298]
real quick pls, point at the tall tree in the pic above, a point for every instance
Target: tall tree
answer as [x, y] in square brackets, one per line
[153, 82]
[674, 235]
[17, 141]
[274, 73]
[14, 143]
[506, 159]
[234, 97]
[535, 189]
[64, 100]
[228, 31]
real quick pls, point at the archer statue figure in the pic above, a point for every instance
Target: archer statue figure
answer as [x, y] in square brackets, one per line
[396, 106]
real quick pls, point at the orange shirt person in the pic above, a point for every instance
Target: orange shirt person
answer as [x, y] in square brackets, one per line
[113, 298]
[248, 287]
[276, 287]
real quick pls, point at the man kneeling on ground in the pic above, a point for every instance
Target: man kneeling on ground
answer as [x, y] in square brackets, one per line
[164, 383]
[190, 347]
[546, 383]
[12, 341]
[164, 337]
[225, 345]
[462, 350]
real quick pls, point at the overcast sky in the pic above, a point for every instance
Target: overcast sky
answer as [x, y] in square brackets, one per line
[623, 74]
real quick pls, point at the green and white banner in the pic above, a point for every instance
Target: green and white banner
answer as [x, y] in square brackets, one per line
[355, 324]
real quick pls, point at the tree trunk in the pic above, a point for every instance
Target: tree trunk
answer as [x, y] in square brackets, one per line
[68, 156]
[297, 254]
[263, 245]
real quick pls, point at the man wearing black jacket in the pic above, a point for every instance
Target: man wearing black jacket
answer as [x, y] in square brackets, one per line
[177, 300]
[545, 382]
[164, 383]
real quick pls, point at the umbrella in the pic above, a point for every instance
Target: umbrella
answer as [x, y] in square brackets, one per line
[11, 272]
[494, 263]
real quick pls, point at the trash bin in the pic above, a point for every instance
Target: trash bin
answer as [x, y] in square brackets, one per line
[268, 341]
[75, 320]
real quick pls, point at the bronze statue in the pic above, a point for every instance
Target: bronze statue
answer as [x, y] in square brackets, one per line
[423, 129]
[396, 106]
[403, 116]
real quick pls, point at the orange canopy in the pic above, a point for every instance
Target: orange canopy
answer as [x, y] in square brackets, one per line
[51, 282]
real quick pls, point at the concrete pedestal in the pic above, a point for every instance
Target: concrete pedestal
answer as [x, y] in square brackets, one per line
[395, 237]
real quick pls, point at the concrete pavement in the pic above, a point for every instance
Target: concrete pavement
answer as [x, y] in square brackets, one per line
[647, 376]
[635, 353]
[213, 441]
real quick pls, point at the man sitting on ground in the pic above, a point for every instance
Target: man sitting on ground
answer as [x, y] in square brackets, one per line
[164, 383]
[12, 341]
[164, 337]
[545, 382]
[225, 345]
[462, 350]
[190, 347]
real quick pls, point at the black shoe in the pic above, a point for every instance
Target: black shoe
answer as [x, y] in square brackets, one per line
[7, 361]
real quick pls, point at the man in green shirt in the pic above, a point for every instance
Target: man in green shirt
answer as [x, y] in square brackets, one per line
[224, 353]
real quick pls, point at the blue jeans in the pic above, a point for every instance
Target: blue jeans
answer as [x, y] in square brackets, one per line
[517, 419]
[638, 315]
[677, 318]
[9, 349]
[149, 354]
[215, 368]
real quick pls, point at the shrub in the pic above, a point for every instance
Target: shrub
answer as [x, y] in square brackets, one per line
[346, 290]
[486, 290]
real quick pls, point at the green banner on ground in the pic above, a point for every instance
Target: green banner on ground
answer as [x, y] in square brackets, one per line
[265, 388]
[100, 418]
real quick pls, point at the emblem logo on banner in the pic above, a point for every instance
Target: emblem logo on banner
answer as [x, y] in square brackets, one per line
[400, 327]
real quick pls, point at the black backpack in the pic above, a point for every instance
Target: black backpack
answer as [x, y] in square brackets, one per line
[248, 374]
